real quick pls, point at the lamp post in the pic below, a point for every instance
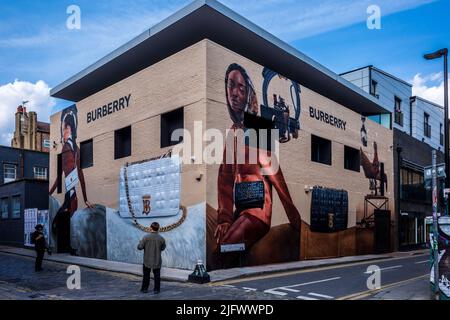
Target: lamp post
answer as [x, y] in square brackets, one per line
[431, 56]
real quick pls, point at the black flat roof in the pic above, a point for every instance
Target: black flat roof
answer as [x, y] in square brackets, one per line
[209, 19]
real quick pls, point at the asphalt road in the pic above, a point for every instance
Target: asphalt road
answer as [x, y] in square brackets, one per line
[336, 282]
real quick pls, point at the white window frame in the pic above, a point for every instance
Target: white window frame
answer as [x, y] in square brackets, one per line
[7, 176]
[40, 173]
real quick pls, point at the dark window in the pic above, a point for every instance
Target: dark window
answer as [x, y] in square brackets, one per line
[320, 150]
[426, 125]
[258, 124]
[170, 122]
[4, 207]
[351, 159]
[86, 154]
[16, 207]
[122, 143]
[441, 135]
[59, 174]
[398, 111]
[373, 88]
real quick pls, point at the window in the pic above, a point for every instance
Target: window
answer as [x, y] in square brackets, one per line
[373, 88]
[122, 143]
[40, 173]
[4, 207]
[351, 159]
[320, 150]
[441, 135]
[169, 123]
[9, 172]
[258, 124]
[426, 125]
[16, 207]
[86, 154]
[398, 111]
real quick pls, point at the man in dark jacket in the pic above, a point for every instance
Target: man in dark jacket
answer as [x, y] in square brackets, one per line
[152, 244]
[40, 245]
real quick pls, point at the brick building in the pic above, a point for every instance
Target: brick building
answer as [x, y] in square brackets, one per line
[112, 150]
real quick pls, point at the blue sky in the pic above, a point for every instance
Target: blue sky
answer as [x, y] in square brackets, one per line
[38, 52]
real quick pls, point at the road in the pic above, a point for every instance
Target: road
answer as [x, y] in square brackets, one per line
[337, 282]
[406, 275]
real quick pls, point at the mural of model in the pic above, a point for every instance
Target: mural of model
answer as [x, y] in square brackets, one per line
[244, 194]
[372, 169]
[73, 175]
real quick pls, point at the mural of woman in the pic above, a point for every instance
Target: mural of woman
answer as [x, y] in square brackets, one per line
[70, 160]
[239, 223]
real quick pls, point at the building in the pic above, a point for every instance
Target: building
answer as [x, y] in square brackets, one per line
[23, 185]
[30, 133]
[418, 129]
[120, 161]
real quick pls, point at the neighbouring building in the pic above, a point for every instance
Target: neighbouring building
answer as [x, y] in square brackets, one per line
[30, 133]
[23, 185]
[418, 129]
[147, 119]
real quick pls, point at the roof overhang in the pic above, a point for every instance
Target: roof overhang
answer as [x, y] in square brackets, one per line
[209, 19]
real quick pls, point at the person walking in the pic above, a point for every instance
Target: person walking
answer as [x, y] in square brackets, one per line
[152, 244]
[40, 245]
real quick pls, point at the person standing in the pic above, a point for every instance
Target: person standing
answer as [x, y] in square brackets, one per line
[152, 244]
[40, 245]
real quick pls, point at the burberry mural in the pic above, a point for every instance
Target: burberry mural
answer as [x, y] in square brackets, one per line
[301, 209]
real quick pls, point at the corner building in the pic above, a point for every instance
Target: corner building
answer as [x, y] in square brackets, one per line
[205, 68]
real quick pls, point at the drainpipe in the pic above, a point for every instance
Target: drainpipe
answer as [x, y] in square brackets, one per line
[398, 191]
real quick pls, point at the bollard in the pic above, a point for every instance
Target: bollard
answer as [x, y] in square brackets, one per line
[199, 275]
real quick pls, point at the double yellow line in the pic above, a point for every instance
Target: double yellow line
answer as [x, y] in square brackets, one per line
[367, 293]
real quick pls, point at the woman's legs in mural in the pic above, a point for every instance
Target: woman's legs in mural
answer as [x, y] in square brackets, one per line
[246, 229]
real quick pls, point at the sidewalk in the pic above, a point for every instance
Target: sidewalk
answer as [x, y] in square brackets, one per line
[179, 275]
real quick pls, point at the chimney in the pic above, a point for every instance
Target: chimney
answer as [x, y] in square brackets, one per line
[20, 109]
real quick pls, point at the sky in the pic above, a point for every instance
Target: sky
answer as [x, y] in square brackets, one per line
[38, 51]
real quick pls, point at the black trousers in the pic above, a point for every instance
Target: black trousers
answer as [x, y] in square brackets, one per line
[39, 258]
[146, 279]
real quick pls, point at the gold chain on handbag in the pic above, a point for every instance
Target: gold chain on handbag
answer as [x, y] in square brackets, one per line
[136, 223]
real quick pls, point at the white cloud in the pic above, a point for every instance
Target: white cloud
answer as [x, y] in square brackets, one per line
[429, 87]
[13, 94]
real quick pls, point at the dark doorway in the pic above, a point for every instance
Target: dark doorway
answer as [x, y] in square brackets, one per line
[382, 231]
[62, 225]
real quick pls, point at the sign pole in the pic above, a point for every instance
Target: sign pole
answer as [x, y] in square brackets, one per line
[435, 227]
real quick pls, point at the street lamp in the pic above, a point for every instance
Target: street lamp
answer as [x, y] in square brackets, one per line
[431, 56]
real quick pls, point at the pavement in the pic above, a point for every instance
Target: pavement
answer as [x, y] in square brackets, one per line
[180, 275]
[19, 281]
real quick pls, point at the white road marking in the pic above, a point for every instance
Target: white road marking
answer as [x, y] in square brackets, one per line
[425, 261]
[228, 285]
[277, 291]
[320, 295]
[387, 268]
[312, 282]
[306, 298]
[249, 289]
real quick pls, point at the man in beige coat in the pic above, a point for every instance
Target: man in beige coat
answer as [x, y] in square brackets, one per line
[152, 244]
